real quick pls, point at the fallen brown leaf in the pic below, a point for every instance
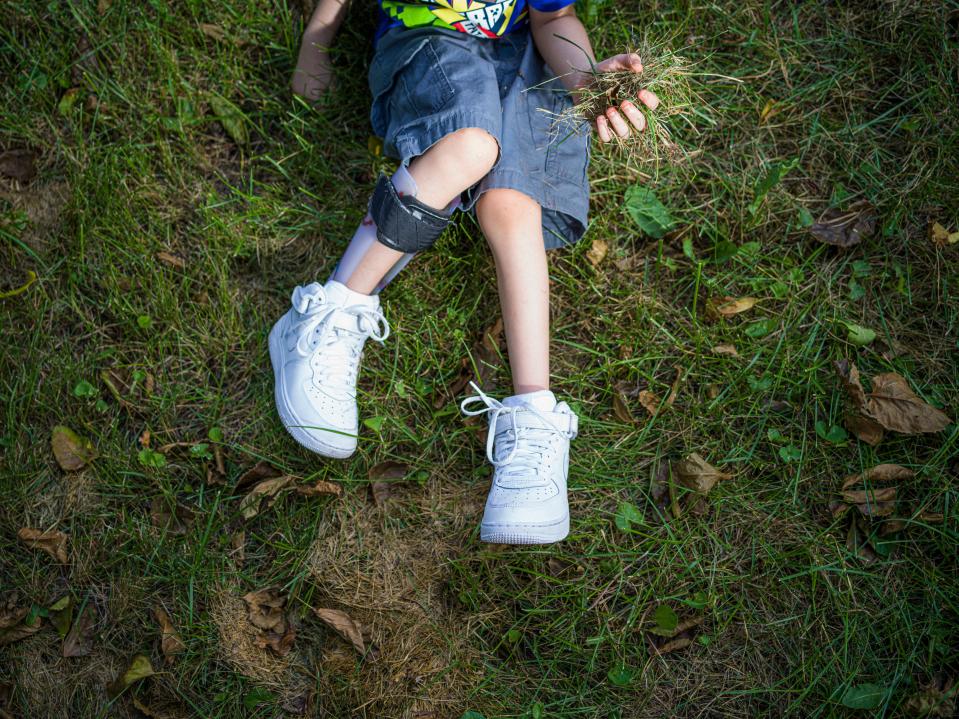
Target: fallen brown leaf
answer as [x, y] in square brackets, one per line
[265, 609]
[319, 488]
[727, 350]
[389, 470]
[14, 626]
[258, 472]
[941, 236]
[281, 644]
[697, 474]
[19, 165]
[79, 640]
[168, 258]
[936, 699]
[729, 306]
[269, 490]
[879, 473]
[72, 451]
[176, 521]
[50, 541]
[344, 625]
[891, 405]
[858, 544]
[621, 409]
[170, 642]
[649, 401]
[681, 637]
[139, 668]
[597, 252]
[845, 228]
[238, 543]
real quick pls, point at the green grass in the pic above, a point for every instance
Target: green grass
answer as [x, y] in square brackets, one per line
[865, 97]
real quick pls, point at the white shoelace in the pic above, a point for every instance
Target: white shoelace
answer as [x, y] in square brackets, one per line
[316, 326]
[529, 446]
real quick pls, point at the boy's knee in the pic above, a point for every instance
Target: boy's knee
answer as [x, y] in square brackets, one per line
[476, 147]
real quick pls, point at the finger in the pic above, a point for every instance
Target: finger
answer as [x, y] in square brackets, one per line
[633, 62]
[633, 114]
[621, 63]
[648, 98]
[617, 122]
[602, 129]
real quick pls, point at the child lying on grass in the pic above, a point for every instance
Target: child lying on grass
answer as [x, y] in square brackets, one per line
[459, 88]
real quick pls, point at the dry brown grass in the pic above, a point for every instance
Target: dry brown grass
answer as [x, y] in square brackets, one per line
[387, 569]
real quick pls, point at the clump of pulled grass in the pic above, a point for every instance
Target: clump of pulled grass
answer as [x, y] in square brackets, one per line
[666, 74]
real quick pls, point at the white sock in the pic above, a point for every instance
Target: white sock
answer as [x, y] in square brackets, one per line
[542, 399]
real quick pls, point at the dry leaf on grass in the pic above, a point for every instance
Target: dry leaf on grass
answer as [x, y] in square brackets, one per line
[649, 401]
[379, 474]
[726, 350]
[891, 405]
[139, 668]
[168, 258]
[170, 642]
[879, 473]
[941, 236]
[621, 408]
[674, 388]
[79, 640]
[257, 473]
[718, 307]
[845, 228]
[20, 165]
[265, 611]
[486, 353]
[857, 542]
[681, 637]
[15, 624]
[268, 489]
[597, 252]
[60, 614]
[872, 501]
[50, 541]
[936, 699]
[344, 625]
[176, 521]
[697, 474]
[320, 488]
[72, 451]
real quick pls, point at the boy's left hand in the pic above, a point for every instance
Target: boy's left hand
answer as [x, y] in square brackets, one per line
[611, 122]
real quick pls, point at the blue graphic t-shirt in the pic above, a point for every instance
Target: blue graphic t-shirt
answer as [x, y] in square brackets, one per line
[480, 18]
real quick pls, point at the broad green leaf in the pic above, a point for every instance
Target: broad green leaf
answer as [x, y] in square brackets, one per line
[805, 218]
[256, 696]
[859, 335]
[831, 433]
[761, 328]
[774, 435]
[233, 121]
[620, 676]
[139, 668]
[666, 620]
[790, 453]
[627, 515]
[723, 251]
[648, 212]
[856, 291]
[864, 696]
[374, 423]
[84, 389]
[150, 458]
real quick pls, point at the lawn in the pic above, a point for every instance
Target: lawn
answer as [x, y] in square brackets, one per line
[167, 193]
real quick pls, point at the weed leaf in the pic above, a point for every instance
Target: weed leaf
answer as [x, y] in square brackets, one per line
[648, 212]
[139, 668]
[864, 696]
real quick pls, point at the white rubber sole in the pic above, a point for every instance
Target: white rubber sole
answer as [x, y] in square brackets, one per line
[525, 533]
[293, 425]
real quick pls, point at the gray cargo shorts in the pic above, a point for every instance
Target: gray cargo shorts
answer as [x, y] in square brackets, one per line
[429, 82]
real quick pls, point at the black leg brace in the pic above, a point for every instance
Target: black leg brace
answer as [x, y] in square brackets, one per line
[404, 223]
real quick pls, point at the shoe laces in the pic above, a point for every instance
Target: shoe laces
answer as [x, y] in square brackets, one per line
[316, 332]
[527, 445]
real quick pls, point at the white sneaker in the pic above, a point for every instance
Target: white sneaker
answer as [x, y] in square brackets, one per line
[315, 349]
[528, 446]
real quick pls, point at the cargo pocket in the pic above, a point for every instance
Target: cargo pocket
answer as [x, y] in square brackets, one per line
[424, 83]
[567, 151]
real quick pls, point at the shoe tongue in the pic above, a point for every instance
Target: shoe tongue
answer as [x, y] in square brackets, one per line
[543, 400]
[340, 294]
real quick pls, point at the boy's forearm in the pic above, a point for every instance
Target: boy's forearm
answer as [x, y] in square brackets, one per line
[325, 22]
[570, 58]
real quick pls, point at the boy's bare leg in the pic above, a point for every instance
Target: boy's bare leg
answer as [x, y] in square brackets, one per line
[455, 163]
[512, 223]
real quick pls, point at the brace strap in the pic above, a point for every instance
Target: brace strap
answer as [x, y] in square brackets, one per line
[404, 223]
